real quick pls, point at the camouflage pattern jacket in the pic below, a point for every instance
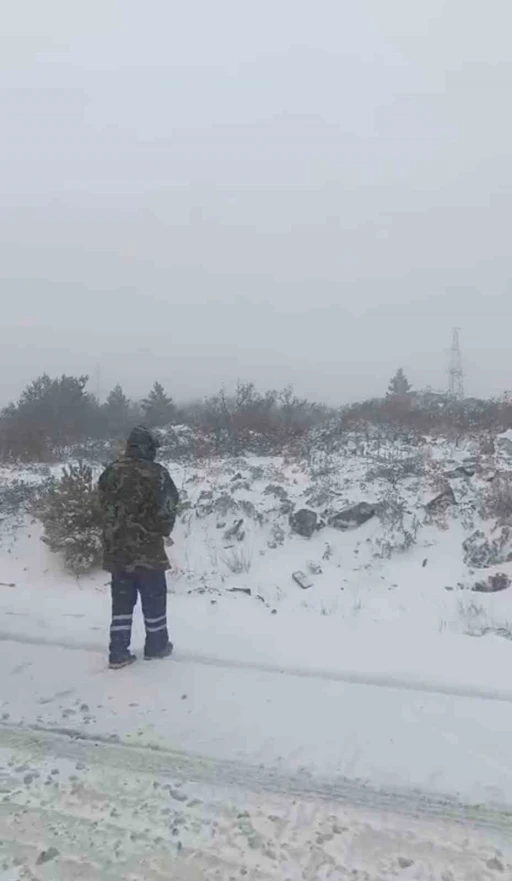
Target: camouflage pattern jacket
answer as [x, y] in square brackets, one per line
[139, 502]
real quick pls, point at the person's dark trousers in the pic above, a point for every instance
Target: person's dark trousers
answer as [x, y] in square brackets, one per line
[152, 587]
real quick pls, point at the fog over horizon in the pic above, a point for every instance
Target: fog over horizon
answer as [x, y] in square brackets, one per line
[281, 193]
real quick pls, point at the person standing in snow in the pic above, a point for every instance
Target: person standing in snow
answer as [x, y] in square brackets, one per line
[138, 501]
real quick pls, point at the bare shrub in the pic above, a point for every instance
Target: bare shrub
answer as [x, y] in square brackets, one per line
[400, 527]
[472, 617]
[322, 464]
[473, 620]
[238, 561]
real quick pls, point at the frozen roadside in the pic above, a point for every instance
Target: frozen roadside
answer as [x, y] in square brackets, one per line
[324, 729]
[236, 631]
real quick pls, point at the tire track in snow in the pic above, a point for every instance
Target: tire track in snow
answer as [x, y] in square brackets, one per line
[143, 824]
[374, 680]
[77, 746]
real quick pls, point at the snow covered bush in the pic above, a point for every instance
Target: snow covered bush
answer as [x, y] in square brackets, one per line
[395, 467]
[482, 551]
[69, 511]
[400, 528]
[15, 497]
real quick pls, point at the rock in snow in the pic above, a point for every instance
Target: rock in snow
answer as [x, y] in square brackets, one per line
[304, 522]
[494, 583]
[354, 516]
[46, 856]
[461, 471]
[302, 580]
[504, 442]
[442, 501]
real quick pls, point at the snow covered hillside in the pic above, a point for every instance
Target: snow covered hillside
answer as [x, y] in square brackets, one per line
[412, 593]
[343, 629]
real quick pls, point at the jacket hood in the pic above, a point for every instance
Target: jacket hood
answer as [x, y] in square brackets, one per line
[142, 443]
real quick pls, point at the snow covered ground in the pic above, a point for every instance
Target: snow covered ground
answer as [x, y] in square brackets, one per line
[357, 729]
[77, 810]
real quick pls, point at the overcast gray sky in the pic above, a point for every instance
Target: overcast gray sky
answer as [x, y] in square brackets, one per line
[282, 191]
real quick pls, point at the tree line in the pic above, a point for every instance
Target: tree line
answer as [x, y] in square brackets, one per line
[60, 411]
[54, 413]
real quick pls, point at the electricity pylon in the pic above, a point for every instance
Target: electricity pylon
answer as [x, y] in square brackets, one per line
[456, 371]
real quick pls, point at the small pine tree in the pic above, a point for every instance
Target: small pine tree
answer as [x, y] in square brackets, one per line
[158, 408]
[399, 385]
[70, 513]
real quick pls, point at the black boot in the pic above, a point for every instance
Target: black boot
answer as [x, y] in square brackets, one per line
[122, 661]
[162, 653]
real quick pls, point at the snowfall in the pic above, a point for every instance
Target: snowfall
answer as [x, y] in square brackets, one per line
[351, 722]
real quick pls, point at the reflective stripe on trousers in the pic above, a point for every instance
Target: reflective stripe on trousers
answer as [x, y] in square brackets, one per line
[152, 587]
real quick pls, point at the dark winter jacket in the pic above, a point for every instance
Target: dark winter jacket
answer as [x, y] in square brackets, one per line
[139, 502]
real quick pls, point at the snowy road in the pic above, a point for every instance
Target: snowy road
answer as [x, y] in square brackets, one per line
[189, 770]
[76, 810]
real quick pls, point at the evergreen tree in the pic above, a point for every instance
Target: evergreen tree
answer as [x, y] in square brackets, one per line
[118, 412]
[158, 408]
[70, 513]
[51, 412]
[117, 400]
[399, 385]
